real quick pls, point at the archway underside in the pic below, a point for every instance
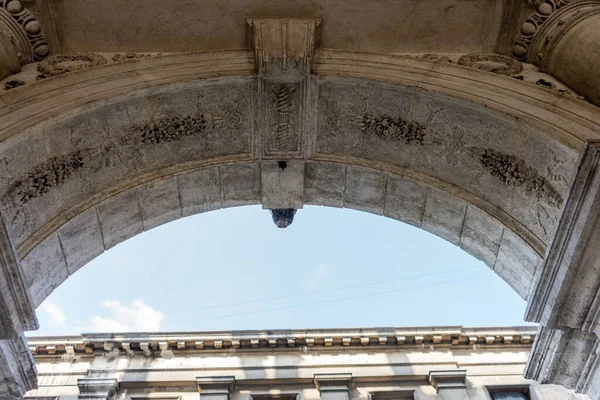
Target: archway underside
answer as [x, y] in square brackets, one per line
[135, 145]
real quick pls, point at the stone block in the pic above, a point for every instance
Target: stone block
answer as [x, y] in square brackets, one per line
[324, 184]
[282, 184]
[159, 202]
[444, 215]
[405, 200]
[481, 236]
[81, 240]
[200, 191]
[365, 190]
[44, 269]
[240, 184]
[517, 263]
[120, 218]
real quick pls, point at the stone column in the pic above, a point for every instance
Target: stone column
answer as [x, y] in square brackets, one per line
[21, 38]
[333, 386]
[215, 387]
[563, 39]
[449, 384]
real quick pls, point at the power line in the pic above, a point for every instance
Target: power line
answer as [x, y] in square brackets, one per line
[334, 300]
[307, 294]
[318, 291]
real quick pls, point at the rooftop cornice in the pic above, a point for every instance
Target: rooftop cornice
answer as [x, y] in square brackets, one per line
[148, 343]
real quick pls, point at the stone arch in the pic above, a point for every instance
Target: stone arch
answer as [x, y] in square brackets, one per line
[495, 153]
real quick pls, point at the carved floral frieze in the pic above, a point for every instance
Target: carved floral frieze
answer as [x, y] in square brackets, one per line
[470, 148]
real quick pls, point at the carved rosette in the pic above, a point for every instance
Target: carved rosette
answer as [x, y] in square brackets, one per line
[27, 32]
[529, 28]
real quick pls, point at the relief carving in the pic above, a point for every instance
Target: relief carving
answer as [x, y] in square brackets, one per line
[45, 176]
[69, 62]
[513, 171]
[171, 129]
[35, 46]
[389, 128]
[529, 28]
[495, 63]
[283, 136]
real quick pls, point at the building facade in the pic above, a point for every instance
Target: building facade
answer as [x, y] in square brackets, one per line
[450, 363]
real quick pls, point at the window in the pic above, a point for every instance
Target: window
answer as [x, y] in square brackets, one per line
[393, 395]
[509, 396]
[520, 392]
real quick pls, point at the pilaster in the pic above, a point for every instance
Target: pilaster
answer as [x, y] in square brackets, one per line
[566, 296]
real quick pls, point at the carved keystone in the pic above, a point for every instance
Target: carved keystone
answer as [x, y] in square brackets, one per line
[283, 47]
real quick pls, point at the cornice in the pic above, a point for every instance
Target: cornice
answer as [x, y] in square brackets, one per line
[409, 338]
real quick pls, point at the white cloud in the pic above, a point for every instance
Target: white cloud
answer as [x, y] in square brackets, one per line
[318, 275]
[55, 312]
[138, 316]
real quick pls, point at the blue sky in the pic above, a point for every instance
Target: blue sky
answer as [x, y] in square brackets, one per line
[233, 269]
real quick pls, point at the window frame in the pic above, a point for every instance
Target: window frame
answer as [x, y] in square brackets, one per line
[402, 394]
[519, 388]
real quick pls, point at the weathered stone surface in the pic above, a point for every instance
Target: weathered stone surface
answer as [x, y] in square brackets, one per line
[81, 240]
[405, 200]
[444, 216]
[365, 190]
[517, 263]
[44, 269]
[159, 202]
[282, 184]
[120, 218]
[200, 191]
[481, 236]
[240, 184]
[324, 184]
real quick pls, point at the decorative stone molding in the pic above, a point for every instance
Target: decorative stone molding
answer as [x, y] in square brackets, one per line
[97, 388]
[448, 379]
[283, 47]
[290, 339]
[62, 63]
[566, 14]
[530, 28]
[30, 31]
[284, 50]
